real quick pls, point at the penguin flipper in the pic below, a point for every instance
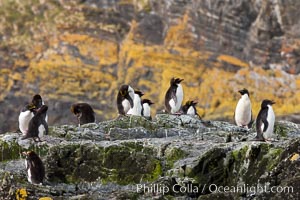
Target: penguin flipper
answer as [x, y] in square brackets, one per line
[261, 123]
[266, 124]
[199, 117]
[173, 96]
[251, 121]
[39, 139]
[234, 117]
[259, 137]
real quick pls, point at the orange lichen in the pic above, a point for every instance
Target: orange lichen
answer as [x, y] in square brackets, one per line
[67, 65]
[6, 82]
[232, 60]
[294, 157]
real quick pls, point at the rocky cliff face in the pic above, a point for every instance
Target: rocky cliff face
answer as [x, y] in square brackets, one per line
[172, 157]
[70, 51]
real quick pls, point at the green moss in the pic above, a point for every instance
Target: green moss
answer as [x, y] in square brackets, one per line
[123, 164]
[167, 197]
[129, 122]
[173, 155]
[12, 150]
[157, 172]
[273, 157]
[250, 162]
[9, 151]
[280, 130]
[71, 179]
[263, 157]
[240, 154]
[137, 146]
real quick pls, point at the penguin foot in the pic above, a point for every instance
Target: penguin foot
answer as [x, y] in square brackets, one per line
[259, 139]
[244, 127]
[39, 140]
[271, 140]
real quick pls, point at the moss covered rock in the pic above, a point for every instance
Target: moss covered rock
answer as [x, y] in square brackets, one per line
[109, 159]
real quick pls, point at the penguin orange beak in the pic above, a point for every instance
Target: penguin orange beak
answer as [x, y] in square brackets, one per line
[273, 102]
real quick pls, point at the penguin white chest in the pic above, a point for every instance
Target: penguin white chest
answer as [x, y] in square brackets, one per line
[29, 175]
[126, 105]
[41, 130]
[137, 106]
[243, 111]
[46, 117]
[191, 111]
[271, 121]
[176, 104]
[146, 111]
[24, 119]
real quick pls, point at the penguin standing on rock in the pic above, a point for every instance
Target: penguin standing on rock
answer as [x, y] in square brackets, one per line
[84, 113]
[38, 102]
[146, 111]
[243, 112]
[35, 167]
[174, 96]
[189, 108]
[37, 125]
[25, 116]
[125, 99]
[265, 121]
[137, 104]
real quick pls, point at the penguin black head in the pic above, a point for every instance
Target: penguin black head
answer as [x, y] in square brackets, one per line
[30, 155]
[37, 100]
[267, 102]
[84, 112]
[191, 103]
[125, 93]
[147, 101]
[75, 109]
[139, 93]
[175, 81]
[244, 91]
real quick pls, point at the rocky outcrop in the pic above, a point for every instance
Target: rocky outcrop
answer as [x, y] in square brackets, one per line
[71, 51]
[171, 157]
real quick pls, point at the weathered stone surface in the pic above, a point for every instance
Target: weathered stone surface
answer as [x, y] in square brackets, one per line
[192, 158]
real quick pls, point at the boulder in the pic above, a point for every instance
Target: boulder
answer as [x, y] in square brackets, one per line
[170, 157]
